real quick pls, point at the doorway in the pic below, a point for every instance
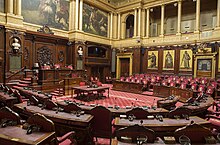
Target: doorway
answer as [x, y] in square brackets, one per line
[124, 64]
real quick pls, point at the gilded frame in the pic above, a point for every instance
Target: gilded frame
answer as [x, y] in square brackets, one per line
[168, 59]
[186, 58]
[152, 59]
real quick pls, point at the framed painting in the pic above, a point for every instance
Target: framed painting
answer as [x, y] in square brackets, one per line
[204, 64]
[152, 59]
[53, 13]
[185, 60]
[168, 59]
[2, 6]
[95, 21]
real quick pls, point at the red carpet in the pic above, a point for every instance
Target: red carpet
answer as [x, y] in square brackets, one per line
[121, 99]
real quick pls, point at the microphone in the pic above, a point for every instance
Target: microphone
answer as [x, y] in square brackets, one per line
[152, 106]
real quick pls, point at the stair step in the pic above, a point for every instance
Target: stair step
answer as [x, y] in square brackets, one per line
[22, 85]
[25, 82]
[27, 79]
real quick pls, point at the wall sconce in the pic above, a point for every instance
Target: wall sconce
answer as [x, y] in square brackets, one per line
[151, 10]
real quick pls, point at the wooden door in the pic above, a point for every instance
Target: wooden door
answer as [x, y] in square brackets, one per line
[125, 63]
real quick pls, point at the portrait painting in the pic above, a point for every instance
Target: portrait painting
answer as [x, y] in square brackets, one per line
[95, 21]
[53, 13]
[186, 60]
[152, 59]
[2, 6]
[168, 59]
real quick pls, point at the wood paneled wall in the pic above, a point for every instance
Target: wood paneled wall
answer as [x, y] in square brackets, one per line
[56, 46]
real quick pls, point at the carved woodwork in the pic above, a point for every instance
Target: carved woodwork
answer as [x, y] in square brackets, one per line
[44, 56]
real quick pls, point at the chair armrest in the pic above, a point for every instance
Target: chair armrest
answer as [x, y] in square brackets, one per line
[68, 135]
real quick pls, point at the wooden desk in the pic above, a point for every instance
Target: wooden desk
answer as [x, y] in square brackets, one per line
[119, 111]
[165, 127]
[83, 89]
[15, 135]
[127, 87]
[203, 106]
[64, 122]
[166, 91]
[167, 103]
[24, 91]
[7, 99]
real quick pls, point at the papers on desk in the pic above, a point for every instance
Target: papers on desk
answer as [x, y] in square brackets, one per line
[123, 116]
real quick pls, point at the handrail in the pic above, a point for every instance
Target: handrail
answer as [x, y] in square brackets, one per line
[22, 69]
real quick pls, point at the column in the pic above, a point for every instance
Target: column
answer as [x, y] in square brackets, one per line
[179, 17]
[143, 23]
[135, 22]
[119, 25]
[197, 16]
[72, 15]
[77, 15]
[80, 14]
[162, 21]
[10, 6]
[15, 7]
[18, 7]
[148, 23]
[111, 25]
[115, 28]
[218, 14]
[139, 22]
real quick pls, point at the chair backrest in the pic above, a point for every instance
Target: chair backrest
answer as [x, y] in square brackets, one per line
[210, 90]
[71, 107]
[201, 88]
[8, 114]
[195, 132]
[33, 100]
[42, 122]
[134, 132]
[180, 112]
[101, 123]
[49, 104]
[139, 113]
[82, 83]
[194, 87]
[183, 86]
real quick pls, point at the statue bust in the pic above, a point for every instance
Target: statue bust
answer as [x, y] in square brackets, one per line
[16, 45]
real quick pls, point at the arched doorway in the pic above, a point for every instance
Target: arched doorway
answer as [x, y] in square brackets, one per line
[130, 26]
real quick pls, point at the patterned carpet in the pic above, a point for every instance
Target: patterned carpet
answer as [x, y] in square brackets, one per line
[116, 98]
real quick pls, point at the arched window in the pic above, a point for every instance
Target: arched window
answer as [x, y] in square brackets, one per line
[130, 26]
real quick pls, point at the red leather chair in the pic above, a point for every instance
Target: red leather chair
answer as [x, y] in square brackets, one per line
[194, 87]
[47, 125]
[164, 83]
[133, 132]
[183, 85]
[201, 88]
[210, 91]
[172, 84]
[195, 132]
[139, 113]
[82, 83]
[102, 122]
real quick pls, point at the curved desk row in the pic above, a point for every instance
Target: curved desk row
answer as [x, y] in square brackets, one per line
[117, 111]
[63, 121]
